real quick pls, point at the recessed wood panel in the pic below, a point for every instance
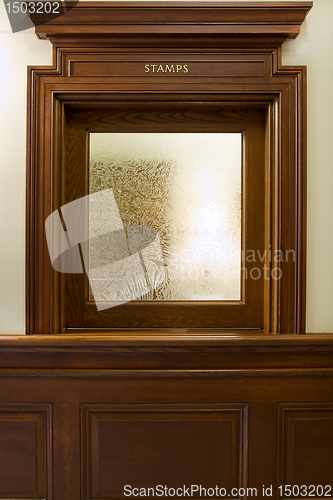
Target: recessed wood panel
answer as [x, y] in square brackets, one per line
[174, 445]
[24, 449]
[182, 68]
[305, 453]
[250, 312]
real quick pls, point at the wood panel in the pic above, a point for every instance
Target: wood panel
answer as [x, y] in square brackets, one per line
[305, 452]
[25, 446]
[149, 445]
[181, 68]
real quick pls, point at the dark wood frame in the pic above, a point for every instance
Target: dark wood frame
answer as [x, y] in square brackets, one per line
[171, 116]
[251, 33]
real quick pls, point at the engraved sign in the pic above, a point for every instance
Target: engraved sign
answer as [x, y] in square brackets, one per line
[118, 66]
[166, 68]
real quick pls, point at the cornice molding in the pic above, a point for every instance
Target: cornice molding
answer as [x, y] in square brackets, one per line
[250, 20]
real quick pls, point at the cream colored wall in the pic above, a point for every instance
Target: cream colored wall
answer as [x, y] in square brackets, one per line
[16, 52]
[313, 48]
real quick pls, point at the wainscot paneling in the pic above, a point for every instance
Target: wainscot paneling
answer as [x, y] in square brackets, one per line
[145, 445]
[25, 450]
[249, 408]
[305, 453]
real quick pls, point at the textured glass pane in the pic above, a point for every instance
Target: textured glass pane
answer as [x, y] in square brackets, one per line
[186, 190]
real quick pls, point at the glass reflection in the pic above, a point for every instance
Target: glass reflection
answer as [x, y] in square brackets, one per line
[187, 187]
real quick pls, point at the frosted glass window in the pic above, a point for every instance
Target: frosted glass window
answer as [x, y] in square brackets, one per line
[185, 186]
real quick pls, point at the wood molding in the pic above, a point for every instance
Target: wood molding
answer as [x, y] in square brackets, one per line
[270, 20]
[149, 354]
[224, 341]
